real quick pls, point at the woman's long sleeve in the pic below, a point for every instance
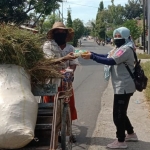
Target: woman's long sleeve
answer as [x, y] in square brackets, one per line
[103, 60]
[101, 55]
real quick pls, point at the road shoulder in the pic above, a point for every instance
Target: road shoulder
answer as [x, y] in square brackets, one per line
[138, 113]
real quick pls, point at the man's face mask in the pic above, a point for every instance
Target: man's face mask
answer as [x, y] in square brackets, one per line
[60, 38]
[119, 42]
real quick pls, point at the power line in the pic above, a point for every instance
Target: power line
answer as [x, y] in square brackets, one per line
[69, 9]
[82, 5]
[86, 5]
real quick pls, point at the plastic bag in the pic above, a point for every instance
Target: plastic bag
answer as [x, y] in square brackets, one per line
[78, 53]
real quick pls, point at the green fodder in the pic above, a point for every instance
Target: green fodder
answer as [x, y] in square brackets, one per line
[24, 48]
[19, 47]
[44, 70]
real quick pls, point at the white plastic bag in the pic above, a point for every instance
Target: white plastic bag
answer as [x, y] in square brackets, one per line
[18, 107]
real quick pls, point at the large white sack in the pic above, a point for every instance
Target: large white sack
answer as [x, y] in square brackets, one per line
[18, 108]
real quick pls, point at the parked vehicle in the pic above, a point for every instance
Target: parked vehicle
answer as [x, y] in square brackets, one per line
[84, 38]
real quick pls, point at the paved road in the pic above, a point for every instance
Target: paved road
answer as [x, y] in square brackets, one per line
[89, 86]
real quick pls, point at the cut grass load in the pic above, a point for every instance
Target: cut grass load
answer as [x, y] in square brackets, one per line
[24, 48]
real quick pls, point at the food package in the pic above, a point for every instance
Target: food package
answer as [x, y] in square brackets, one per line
[18, 108]
[78, 53]
[68, 75]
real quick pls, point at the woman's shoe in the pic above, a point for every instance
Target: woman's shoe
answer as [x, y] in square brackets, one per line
[117, 145]
[131, 138]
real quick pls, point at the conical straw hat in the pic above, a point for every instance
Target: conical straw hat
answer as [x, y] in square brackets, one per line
[60, 25]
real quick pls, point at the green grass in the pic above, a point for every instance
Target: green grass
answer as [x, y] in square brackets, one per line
[146, 67]
[143, 56]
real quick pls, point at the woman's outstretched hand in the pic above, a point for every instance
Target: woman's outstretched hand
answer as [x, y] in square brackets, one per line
[86, 55]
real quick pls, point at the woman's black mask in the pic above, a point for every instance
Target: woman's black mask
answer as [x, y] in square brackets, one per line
[60, 38]
[119, 42]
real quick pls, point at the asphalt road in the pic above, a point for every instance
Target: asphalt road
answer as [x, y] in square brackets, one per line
[89, 85]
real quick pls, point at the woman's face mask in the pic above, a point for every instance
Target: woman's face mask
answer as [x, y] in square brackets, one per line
[119, 42]
[60, 37]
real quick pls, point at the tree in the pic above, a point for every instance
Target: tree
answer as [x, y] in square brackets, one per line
[100, 9]
[13, 11]
[93, 29]
[132, 9]
[107, 18]
[87, 31]
[135, 30]
[115, 14]
[49, 21]
[69, 20]
[101, 6]
[101, 29]
[90, 28]
[89, 23]
[79, 30]
[18, 10]
[110, 33]
[100, 22]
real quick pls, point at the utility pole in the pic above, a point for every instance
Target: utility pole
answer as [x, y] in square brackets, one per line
[54, 15]
[59, 15]
[148, 28]
[144, 25]
[69, 9]
[62, 10]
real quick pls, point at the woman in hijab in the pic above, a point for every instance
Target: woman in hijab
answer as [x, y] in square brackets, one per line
[122, 82]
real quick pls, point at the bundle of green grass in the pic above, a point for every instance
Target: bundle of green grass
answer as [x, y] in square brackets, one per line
[24, 48]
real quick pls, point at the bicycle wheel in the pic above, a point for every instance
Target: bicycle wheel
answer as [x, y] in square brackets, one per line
[66, 128]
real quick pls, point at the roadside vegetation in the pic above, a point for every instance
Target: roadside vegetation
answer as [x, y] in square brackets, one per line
[146, 67]
[143, 56]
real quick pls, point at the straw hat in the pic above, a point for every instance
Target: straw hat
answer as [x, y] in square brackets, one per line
[60, 25]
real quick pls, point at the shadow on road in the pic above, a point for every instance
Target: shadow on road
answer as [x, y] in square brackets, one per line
[102, 141]
[97, 142]
[88, 45]
[84, 62]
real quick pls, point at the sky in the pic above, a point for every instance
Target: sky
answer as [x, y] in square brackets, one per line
[85, 10]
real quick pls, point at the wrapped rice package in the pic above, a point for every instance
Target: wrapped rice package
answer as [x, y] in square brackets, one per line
[78, 53]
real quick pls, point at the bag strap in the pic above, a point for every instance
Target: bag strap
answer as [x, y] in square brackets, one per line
[135, 56]
[127, 67]
[131, 74]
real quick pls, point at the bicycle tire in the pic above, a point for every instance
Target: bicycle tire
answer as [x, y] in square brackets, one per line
[66, 128]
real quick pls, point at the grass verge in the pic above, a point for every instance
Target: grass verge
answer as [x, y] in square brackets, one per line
[146, 67]
[143, 56]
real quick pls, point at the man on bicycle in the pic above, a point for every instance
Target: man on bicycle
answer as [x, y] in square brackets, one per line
[57, 47]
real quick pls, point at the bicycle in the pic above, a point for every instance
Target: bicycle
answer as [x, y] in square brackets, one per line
[53, 119]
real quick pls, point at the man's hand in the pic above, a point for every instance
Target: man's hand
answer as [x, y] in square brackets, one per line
[69, 56]
[86, 55]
